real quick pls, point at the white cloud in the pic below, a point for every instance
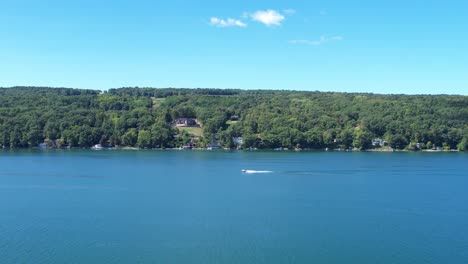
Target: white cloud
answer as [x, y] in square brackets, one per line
[268, 17]
[306, 42]
[289, 11]
[322, 40]
[230, 22]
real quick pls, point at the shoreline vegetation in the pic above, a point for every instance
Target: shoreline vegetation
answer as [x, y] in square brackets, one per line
[211, 119]
[382, 150]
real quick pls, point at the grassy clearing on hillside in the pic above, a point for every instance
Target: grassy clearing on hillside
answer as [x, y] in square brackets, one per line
[230, 122]
[195, 131]
[157, 101]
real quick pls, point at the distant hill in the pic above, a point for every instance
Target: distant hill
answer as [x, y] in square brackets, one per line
[142, 117]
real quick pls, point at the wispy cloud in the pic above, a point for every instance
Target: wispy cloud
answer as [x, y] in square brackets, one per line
[322, 40]
[230, 22]
[268, 17]
[289, 11]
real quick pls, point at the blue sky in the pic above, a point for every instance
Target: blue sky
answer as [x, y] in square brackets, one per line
[371, 46]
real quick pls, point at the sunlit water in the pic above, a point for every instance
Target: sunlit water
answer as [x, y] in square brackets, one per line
[198, 207]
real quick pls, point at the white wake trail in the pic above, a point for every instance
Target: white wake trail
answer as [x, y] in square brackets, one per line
[256, 171]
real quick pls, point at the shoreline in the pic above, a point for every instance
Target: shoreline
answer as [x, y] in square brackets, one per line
[386, 150]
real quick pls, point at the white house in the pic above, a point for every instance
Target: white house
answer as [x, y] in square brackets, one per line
[378, 142]
[237, 141]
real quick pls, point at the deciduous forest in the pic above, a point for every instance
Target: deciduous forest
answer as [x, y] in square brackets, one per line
[264, 119]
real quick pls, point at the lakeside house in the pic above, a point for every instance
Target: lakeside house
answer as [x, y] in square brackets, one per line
[378, 142]
[184, 122]
[213, 145]
[237, 141]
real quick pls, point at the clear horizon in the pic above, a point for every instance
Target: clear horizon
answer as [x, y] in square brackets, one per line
[328, 46]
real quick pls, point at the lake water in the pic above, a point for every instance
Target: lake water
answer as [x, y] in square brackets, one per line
[197, 207]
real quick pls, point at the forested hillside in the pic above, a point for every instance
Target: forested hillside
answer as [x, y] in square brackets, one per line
[141, 117]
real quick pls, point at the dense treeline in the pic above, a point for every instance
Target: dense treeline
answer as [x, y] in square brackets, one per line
[141, 117]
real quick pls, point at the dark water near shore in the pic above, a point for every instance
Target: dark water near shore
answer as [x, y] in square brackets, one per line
[197, 207]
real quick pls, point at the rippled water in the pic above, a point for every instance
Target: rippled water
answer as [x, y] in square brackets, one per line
[198, 207]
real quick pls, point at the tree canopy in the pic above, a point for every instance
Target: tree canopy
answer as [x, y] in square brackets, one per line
[141, 117]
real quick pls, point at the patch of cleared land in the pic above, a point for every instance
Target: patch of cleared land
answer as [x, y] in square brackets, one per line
[229, 122]
[157, 101]
[195, 131]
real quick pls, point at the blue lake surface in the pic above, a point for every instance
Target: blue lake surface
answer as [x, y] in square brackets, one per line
[83, 206]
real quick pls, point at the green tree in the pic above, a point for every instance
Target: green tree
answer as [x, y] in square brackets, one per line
[161, 134]
[130, 137]
[362, 138]
[144, 139]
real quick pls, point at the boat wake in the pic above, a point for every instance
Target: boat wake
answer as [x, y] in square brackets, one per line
[256, 171]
